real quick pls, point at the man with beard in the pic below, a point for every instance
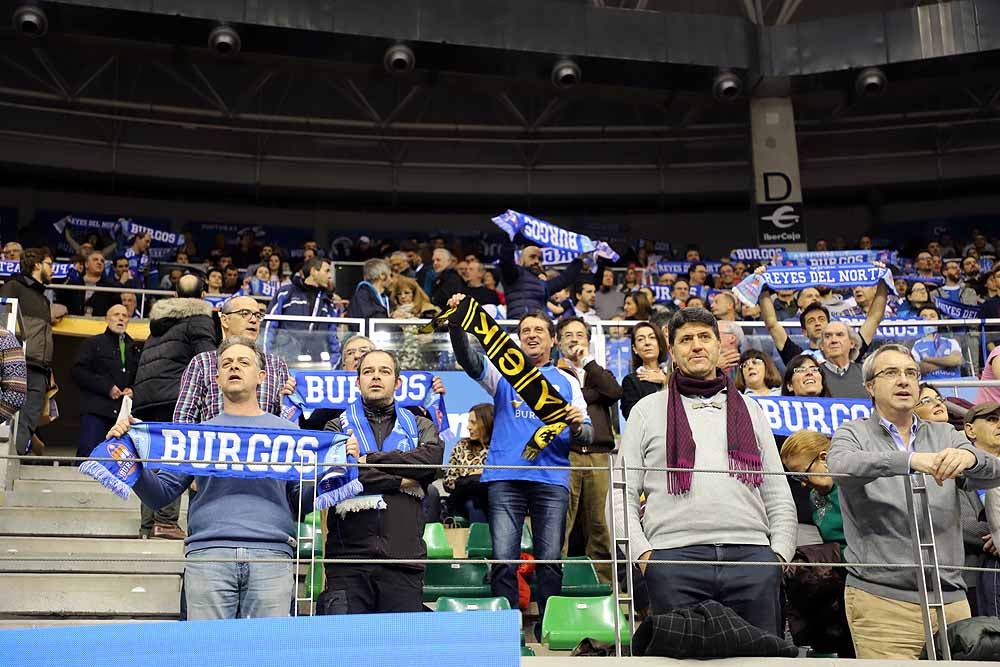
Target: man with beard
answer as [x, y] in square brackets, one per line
[524, 283]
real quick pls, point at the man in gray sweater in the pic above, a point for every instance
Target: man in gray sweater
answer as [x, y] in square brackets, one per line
[883, 603]
[703, 423]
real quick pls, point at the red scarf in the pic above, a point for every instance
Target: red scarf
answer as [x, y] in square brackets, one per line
[744, 454]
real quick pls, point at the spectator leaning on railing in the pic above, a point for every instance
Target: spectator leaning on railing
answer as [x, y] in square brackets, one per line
[883, 605]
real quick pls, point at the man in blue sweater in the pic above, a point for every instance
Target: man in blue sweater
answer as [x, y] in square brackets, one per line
[513, 494]
[235, 522]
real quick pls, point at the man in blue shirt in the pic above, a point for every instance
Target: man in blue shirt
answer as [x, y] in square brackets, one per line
[940, 357]
[234, 522]
[542, 493]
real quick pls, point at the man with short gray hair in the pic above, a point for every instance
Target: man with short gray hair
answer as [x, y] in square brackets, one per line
[876, 453]
[369, 298]
[447, 280]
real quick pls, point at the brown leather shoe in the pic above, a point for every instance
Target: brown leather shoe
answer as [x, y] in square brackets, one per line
[168, 531]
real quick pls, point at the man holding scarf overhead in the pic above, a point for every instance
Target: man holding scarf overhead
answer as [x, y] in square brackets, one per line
[387, 521]
[703, 423]
[235, 521]
[513, 494]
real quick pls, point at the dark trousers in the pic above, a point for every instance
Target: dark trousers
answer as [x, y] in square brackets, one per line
[988, 589]
[509, 503]
[751, 591]
[172, 512]
[31, 411]
[371, 589]
[93, 428]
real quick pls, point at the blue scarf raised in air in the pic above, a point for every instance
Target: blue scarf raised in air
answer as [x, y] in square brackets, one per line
[796, 278]
[546, 235]
[287, 454]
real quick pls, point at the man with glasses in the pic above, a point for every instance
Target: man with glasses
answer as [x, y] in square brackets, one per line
[875, 453]
[200, 398]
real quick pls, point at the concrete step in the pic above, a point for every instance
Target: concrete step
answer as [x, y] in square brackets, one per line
[71, 473]
[94, 555]
[101, 595]
[35, 622]
[62, 486]
[70, 522]
[45, 493]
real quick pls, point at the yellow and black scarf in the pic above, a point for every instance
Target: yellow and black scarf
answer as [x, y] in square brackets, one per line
[514, 366]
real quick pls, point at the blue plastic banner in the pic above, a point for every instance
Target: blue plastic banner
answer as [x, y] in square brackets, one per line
[789, 414]
[838, 257]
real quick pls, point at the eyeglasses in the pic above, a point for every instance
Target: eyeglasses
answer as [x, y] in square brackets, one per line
[893, 373]
[802, 370]
[246, 314]
[804, 476]
[752, 362]
[931, 400]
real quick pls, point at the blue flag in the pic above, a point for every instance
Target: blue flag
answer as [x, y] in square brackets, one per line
[247, 453]
[789, 414]
[336, 389]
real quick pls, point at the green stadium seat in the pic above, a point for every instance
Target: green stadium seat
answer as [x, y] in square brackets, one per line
[456, 580]
[479, 544]
[579, 578]
[527, 652]
[569, 620]
[314, 581]
[472, 604]
[311, 535]
[437, 543]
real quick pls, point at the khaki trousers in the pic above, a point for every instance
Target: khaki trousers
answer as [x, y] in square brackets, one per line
[884, 629]
[588, 493]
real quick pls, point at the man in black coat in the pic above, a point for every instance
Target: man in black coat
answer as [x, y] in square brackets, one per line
[179, 329]
[447, 282]
[91, 304]
[104, 371]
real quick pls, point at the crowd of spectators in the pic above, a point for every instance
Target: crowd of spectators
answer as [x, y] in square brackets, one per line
[682, 383]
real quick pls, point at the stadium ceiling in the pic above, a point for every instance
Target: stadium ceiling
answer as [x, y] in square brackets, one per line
[120, 97]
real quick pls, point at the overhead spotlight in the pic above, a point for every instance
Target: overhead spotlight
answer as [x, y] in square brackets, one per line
[727, 86]
[399, 59]
[566, 74]
[30, 20]
[871, 82]
[224, 40]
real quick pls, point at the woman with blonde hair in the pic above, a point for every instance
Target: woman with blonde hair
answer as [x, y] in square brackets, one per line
[409, 300]
[804, 452]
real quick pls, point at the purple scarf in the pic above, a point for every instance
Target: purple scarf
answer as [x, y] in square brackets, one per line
[744, 455]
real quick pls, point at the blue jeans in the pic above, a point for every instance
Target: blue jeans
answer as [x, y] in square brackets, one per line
[237, 588]
[509, 502]
[751, 591]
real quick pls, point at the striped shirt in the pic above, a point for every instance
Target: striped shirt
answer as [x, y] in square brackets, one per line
[13, 375]
[200, 398]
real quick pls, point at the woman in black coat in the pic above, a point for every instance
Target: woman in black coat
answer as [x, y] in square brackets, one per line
[649, 356]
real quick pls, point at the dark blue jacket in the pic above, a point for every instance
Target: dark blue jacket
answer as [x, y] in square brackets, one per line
[524, 290]
[290, 340]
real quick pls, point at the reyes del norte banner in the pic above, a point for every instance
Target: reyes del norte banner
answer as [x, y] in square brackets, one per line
[787, 277]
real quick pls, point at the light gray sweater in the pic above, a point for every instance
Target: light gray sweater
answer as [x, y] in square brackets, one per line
[719, 509]
[873, 502]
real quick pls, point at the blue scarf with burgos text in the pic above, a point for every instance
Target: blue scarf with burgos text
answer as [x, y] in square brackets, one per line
[766, 255]
[789, 414]
[546, 235]
[336, 390]
[59, 271]
[247, 453]
[795, 278]
[838, 257]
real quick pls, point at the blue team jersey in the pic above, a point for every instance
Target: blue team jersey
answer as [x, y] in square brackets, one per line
[938, 346]
[514, 423]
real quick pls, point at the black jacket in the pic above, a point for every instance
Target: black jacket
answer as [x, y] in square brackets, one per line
[398, 530]
[633, 390]
[179, 329]
[76, 301]
[366, 302]
[98, 367]
[446, 284]
[524, 290]
[601, 391]
[34, 318]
